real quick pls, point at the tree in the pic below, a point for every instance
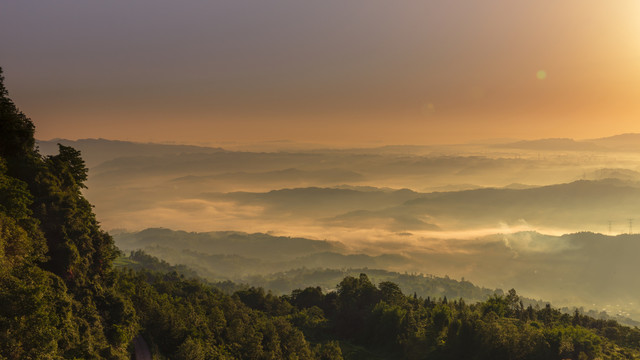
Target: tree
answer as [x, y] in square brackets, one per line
[69, 161]
[16, 129]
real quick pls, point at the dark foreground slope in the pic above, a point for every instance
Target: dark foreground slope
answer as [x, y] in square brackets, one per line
[57, 287]
[61, 298]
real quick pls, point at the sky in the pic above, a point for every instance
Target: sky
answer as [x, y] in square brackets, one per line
[335, 72]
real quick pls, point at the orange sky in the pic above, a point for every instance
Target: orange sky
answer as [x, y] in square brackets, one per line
[331, 71]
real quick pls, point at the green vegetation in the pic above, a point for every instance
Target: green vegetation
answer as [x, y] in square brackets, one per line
[57, 285]
[62, 298]
[363, 321]
[420, 284]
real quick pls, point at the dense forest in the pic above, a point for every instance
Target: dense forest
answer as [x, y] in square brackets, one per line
[62, 298]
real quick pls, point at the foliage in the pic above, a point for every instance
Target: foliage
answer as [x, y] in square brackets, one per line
[56, 279]
[138, 260]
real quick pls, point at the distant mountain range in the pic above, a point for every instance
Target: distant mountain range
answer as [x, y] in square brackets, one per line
[96, 151]
[623, 142]
[581, 204]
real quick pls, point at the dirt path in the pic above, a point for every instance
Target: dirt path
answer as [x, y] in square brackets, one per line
[141, 349]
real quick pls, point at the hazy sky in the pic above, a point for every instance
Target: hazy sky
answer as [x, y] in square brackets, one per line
[346, 72]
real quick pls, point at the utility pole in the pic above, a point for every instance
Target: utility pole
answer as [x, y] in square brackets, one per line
[630, 226]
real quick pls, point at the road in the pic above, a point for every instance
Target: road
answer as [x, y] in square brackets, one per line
[141, 349]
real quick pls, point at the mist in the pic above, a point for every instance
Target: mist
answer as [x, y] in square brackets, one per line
[550, 217]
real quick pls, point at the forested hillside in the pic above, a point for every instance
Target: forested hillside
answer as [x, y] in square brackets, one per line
[58, 292]
[62, 298]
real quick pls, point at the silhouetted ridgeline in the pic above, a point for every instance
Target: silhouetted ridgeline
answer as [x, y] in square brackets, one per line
[226, 242]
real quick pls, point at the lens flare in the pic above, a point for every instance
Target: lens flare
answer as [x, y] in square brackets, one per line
[541, 74]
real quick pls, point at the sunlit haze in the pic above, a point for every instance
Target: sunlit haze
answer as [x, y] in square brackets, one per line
[333, 72]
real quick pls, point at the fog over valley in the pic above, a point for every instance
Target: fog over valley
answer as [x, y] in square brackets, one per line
[541, 216]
